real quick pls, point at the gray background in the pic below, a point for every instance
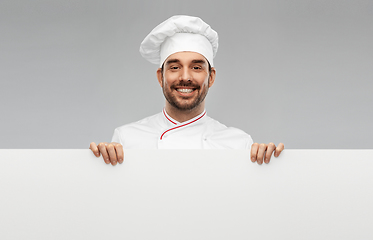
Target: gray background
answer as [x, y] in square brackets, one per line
[298, 72]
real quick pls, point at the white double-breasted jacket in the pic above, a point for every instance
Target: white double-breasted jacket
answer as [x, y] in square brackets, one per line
[160, 131]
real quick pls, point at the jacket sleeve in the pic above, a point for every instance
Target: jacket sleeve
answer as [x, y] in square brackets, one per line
[249, 143]
[116, 137]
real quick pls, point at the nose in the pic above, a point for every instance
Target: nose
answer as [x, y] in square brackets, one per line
[185, 75]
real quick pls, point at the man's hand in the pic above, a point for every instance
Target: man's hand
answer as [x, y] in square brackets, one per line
[260, 152]
[111, 152]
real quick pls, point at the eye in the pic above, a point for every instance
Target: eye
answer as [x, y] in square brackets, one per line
[174, 67]
[197, 67]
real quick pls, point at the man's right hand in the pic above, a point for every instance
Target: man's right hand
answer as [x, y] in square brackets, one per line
[111, 152]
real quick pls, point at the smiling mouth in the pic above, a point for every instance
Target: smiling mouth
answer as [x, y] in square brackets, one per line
[185, 90]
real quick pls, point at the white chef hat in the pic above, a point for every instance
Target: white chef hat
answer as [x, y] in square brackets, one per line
[178, 34]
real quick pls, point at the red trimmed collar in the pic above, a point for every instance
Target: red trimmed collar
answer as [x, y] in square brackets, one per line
[173, 121]
[183, 124]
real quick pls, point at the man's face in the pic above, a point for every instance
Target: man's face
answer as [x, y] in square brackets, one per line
[185, 80]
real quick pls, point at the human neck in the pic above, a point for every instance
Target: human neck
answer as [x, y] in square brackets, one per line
[184, 115]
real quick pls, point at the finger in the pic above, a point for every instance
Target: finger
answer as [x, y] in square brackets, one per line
[261, 151]
[254, 151]
[270, 148]
[94, 149]
[103, 150]
[120, 153]
[112, 154]
[279, 149]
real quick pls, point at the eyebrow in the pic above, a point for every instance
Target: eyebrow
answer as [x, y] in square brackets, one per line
[172, 60]
[175, 60]
[199, 61]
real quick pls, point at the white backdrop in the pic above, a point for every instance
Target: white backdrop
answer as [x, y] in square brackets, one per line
[171, 194]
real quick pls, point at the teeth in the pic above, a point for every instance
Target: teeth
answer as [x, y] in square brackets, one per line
[184, 90]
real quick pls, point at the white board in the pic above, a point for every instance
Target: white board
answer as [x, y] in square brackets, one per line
[187, 194]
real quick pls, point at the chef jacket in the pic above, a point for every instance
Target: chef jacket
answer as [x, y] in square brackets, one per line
[160, 131]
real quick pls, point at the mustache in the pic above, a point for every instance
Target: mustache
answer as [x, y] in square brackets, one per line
[183, 83]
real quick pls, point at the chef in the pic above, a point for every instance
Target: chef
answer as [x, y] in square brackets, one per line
[184, 48]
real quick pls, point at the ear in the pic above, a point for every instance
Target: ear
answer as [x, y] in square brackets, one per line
[160, 76]
[212, 77]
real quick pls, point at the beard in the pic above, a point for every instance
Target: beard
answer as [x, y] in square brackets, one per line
[185, 103]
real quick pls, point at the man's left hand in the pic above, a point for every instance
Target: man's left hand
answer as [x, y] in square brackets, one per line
[263, 152]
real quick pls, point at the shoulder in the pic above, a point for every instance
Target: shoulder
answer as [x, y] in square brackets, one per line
[145, 123]
[229, 137]
[142, 133]
[142, 128]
